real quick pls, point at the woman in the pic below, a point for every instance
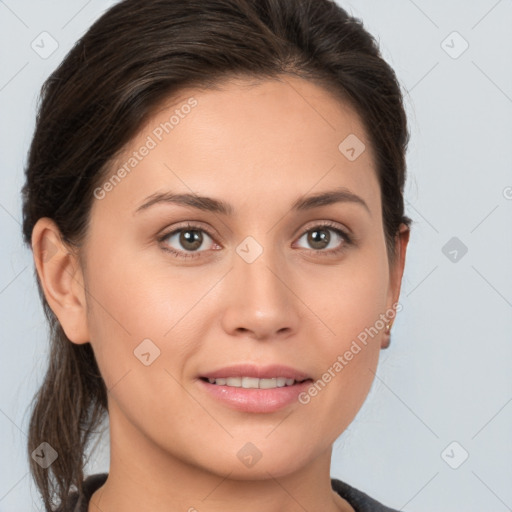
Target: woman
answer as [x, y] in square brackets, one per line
[214, 199]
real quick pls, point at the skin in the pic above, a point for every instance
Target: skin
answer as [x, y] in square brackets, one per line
[258, 146]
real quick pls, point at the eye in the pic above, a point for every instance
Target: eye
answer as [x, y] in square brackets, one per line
[187, 239]
[321, 238]
[186, 242]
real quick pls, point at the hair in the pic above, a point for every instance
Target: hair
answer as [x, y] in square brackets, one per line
[132, 59]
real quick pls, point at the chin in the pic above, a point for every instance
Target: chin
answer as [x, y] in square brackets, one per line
[249, 462]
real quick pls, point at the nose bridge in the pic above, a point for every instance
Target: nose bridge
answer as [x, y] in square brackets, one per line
[257, 268]
[260, 301]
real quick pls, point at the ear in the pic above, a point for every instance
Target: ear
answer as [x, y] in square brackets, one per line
[61, 278]
[395, 276]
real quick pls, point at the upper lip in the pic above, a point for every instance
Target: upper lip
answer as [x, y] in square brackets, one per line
[260, 372]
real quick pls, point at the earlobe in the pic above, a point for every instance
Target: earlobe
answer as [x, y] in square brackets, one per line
[396, 273]
[386, 340]
[61, 279]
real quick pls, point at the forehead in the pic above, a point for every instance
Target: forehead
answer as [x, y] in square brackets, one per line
[262, 139]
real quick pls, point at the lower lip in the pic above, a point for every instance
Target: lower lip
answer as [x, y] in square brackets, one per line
[255, 400]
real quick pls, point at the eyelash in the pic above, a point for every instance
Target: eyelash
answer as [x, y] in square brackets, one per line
[191, 227]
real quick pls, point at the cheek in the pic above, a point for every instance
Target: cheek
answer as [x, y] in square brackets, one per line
[349, 298]
[134, 319]
[132, 300]
[349, 304]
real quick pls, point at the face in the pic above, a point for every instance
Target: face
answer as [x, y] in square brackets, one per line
[179, 289]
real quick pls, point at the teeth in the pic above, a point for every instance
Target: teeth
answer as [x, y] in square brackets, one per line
[253, 382]
[234, 382]
[250, 382]
[268, 383]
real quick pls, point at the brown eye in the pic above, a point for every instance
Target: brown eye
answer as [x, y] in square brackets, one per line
[326, 239]
[319, 238]
[188, 239]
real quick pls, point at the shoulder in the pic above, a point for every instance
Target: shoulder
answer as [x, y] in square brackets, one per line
[80, 503]
[359, 500]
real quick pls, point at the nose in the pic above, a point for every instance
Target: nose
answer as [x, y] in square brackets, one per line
[260, 300]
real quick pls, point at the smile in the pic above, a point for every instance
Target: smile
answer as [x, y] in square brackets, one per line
[253, 382]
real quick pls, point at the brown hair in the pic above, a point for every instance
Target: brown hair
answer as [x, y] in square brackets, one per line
[134, 57]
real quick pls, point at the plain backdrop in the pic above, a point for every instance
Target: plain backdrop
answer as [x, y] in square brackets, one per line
[434, 433]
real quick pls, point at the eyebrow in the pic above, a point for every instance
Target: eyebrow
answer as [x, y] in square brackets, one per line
[209, 204]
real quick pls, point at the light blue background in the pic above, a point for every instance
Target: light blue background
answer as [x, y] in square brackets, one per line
[446, 376]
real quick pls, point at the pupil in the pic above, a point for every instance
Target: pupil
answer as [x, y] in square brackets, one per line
[192, 237]
[319, 238]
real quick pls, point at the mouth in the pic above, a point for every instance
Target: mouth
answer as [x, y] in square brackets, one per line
[248, 388]
[253, 382]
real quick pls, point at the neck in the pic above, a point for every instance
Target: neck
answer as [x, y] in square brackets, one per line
[142, 476]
